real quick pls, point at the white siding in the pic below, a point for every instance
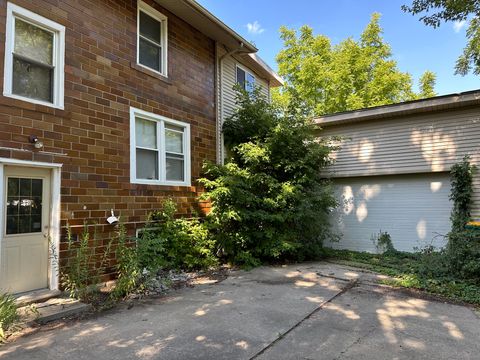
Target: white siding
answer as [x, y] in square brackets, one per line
[430, 142]
[228, 79]
[413, 209]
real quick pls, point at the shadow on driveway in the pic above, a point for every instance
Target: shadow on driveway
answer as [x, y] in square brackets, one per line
[289, 312]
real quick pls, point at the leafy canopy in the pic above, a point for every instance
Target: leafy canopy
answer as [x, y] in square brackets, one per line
[438, 11]
[270, 200]
[328, 78]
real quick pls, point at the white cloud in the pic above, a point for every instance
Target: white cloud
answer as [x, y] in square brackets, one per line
[459, 25]
[255, 28]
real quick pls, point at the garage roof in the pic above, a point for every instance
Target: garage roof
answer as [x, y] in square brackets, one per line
[451, 101]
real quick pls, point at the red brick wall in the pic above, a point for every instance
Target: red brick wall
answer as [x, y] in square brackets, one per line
[101, 83]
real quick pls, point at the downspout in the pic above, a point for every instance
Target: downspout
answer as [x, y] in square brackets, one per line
[220, 111]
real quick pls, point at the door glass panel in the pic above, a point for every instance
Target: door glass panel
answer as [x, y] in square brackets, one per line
[24, 206]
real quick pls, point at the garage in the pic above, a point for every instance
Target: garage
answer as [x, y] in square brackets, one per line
[413, 209]
[391, 168]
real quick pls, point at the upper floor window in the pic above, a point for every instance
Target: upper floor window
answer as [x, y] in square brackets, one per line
[159, 150]
[34, 58]
[245, 79]
[151, 39]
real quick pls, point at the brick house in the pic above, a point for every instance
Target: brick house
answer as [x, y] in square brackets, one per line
[107, 106]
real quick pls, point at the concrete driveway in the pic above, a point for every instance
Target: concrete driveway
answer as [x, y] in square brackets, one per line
[309, 311]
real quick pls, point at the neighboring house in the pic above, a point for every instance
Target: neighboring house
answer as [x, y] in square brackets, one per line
[392, 172]
[107, 106]
[244, 69]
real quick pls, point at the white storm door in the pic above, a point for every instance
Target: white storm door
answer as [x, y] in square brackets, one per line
[24, 242]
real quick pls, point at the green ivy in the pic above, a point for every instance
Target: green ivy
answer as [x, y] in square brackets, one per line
[461, 193]
[463, 249]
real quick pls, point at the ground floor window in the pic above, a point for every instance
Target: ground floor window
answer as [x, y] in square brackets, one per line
[159, 149]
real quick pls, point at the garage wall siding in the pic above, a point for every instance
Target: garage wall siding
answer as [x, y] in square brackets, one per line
[422, 143]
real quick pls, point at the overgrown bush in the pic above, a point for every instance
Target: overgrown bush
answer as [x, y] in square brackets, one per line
[463, 254]
[8, 313]
[270, 200]
[175, 243]
[85, 264]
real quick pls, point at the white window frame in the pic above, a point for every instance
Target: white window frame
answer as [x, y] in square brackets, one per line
[139, 231]
[150, 11]
[161, 120]
[243, 68]
[58, 58]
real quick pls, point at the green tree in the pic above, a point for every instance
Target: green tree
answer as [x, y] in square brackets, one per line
[270, 200]
[328, 78]
[427, 85]
[438, 11]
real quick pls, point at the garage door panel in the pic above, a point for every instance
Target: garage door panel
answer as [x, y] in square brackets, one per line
[413, 209]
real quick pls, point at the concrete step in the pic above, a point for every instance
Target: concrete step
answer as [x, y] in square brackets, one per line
[37, 296]
[51, 310]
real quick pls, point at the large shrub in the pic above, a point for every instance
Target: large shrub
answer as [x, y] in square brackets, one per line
[166, 243]
[269, 201]
[463, 254]
[177, 243]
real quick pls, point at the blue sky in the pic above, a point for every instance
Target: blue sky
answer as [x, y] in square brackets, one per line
[416, 47]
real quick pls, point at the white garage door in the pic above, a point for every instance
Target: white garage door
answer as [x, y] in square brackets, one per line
[413, 209]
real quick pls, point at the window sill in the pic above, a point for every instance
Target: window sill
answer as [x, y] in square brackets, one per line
[151, 73]
[26, 104]
[136, 185]
[33, 101]
[159, 183]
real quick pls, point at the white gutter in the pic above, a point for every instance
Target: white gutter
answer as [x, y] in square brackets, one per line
[220, 111]
[468, 98]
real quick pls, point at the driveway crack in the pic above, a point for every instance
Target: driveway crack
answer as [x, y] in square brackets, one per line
[356, 342]
[351, 284]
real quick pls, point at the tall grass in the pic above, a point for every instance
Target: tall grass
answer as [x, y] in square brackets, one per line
[8, 313]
